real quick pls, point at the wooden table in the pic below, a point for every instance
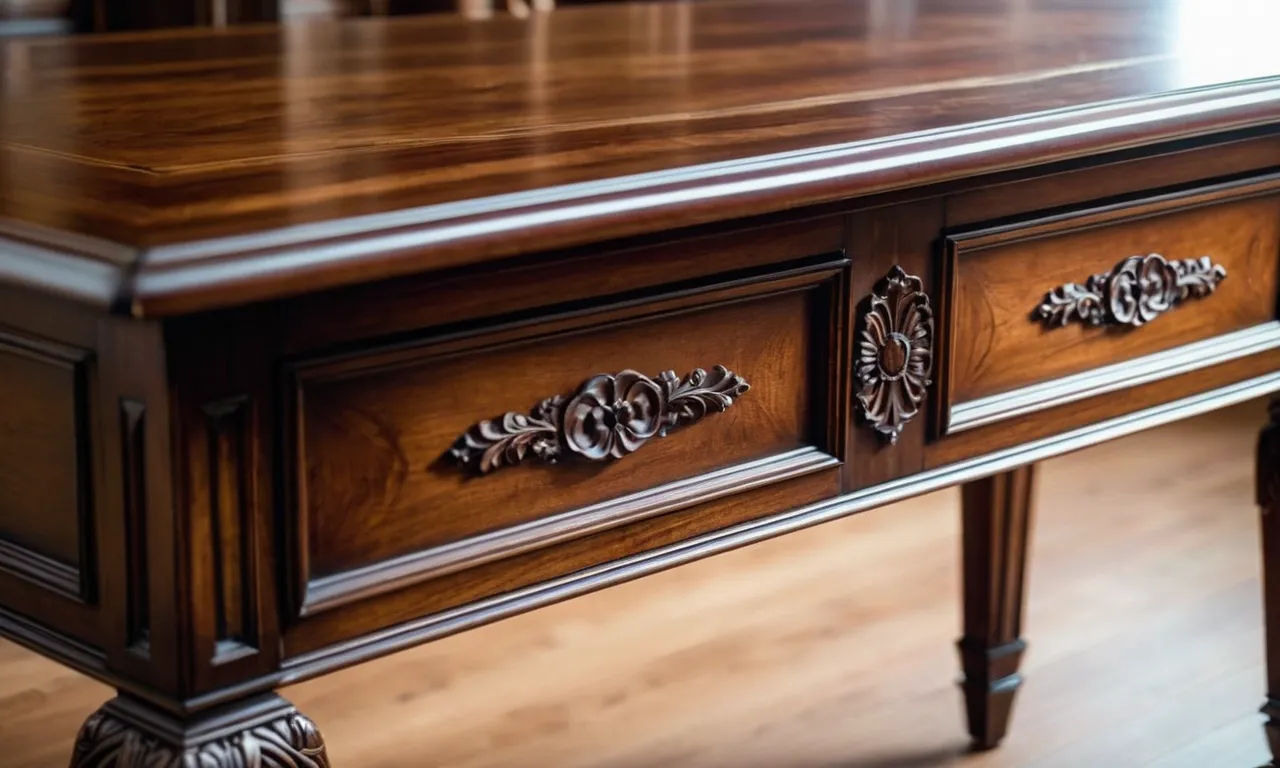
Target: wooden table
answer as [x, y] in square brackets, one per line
[323, 341]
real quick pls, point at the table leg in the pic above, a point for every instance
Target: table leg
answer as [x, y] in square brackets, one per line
[996, 528]
[1268, 491]
[264, 732]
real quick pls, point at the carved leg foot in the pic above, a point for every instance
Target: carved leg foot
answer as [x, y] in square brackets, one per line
[1268, 491]
[265, 732]
[996, 527]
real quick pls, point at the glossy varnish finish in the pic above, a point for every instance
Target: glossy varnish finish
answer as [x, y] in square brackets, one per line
[827, 647]
[996, 532]
[376, 481]
[652, 301]
[262, 137]
[1000, 276]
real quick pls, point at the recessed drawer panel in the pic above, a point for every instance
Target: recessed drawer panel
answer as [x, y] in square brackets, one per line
[451, 452]
[1043, 312]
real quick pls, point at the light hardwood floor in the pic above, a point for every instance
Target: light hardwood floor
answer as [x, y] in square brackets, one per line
[832, 647]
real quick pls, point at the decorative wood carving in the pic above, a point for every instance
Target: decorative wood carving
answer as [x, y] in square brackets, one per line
[1138, 290]
[895, 353]
[232, 539]
[609, 416]
[133, 458]
[290, 741]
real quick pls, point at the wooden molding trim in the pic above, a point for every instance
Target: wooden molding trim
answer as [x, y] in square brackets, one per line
[133, 449]
[1114, 377]
[232, 531]
[198, 276]
[39, 569]
[310, 595]
[76, 581]
[63, 649]
[412, 633]
[341, 589]
[948, 416]
[1090, 216]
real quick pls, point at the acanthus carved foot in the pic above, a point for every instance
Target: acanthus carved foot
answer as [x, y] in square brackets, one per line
[126, 734]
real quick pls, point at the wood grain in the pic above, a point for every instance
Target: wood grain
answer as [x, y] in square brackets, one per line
[996, 524]
[304, 158]
[374, 479]
[831, 647]
[1001, 275]
[44, 472]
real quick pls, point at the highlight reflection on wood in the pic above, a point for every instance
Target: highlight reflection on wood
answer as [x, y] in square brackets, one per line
[741, 672]
[607, 418]
[260, 290]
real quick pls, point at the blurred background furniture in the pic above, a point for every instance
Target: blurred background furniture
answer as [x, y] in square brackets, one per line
[42, 17]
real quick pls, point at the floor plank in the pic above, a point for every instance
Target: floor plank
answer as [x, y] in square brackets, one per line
[832, 647]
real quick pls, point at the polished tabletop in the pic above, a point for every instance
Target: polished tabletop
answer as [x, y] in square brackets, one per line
[185, 170]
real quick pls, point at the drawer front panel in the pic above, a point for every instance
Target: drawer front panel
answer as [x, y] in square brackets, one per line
[1042, 312]
[417, 462]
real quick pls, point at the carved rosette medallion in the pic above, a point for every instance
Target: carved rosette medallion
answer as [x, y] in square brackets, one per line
[609, 416]
[895, 353]
[1137, 291]
[290, 741]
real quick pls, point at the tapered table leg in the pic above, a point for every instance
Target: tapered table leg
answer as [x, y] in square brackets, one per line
[996, 528]
[1268, 492]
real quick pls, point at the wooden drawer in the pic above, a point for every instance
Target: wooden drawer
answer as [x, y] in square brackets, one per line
[413, 461]
[1039, 313]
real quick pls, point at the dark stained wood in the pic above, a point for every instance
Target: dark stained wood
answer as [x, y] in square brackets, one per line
[46, 529]
[226, 497]
[894, 361]
[880, 239]
[1073, 413]
[266, 732]
[1018, 193]
[144, 622]
[491, 591]
[742, 670]
[587, 275]
[377, 483]
[287, 280]
[609, 417]
[999, 278]
[996, 530]
[287, 190]
[1268, 498]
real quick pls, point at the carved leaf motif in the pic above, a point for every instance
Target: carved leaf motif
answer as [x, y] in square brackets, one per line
[291, 741]
[1138, 290]
[507, 440]
[608, 417]
[698, 394]
[1070, 301]
[895, 353]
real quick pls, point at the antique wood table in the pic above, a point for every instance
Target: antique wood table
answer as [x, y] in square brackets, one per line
[321, 341]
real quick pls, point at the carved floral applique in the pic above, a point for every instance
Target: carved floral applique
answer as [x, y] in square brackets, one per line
[610, 416]
[1138, 290]
[895, 353]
